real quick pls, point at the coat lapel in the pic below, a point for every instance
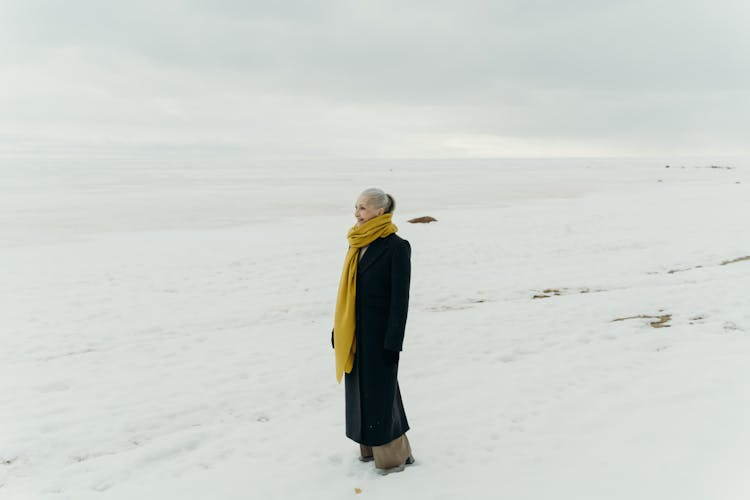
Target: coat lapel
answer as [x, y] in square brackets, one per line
[373, 253]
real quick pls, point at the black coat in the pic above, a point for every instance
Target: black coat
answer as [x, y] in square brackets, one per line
[374, 410]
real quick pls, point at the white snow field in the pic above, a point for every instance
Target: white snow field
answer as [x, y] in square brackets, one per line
[165, 331]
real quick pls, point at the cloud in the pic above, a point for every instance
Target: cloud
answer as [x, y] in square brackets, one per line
[371, 79]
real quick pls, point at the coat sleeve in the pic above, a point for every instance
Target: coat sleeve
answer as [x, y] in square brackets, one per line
[399, 304]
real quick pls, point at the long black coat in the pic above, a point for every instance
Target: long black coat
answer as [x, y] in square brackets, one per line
[374, 410]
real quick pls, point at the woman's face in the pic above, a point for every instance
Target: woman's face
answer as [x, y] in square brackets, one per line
[364, 212]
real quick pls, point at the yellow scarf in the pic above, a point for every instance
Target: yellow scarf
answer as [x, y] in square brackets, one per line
[344, 321]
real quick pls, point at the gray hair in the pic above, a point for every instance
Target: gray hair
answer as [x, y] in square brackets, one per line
[378, 198]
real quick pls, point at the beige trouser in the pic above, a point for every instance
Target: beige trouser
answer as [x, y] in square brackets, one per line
[388, 455]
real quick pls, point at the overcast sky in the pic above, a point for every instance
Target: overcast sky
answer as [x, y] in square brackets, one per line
[374, 79]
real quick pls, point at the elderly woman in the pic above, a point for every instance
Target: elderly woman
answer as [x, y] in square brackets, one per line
[371, 310]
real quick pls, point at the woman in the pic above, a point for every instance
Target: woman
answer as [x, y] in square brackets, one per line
[371, 310]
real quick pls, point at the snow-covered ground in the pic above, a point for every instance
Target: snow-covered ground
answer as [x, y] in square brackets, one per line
[165, 332]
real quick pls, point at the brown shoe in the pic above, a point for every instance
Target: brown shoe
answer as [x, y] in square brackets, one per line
[398, 468]
[366, 459]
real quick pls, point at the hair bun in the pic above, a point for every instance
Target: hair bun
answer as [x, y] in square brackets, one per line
[391, 204]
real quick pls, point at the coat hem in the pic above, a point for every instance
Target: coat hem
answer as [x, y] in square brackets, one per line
[377, 442]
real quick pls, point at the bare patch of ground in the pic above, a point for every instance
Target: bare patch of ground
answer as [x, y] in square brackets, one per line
[739, 259]
[552, 292]
[422, 220]
[714, 167]
[697, 318]
[672, 271]
[660, 320]
[723, 263]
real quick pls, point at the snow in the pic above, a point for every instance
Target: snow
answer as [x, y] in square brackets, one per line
[165, 331]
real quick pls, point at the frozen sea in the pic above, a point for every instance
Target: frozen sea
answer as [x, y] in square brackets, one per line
[578, 329]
